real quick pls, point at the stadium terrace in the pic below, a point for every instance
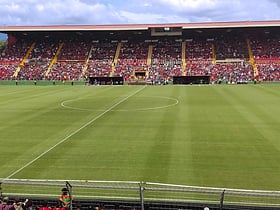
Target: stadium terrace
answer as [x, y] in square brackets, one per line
[186, 146]
[214, 52]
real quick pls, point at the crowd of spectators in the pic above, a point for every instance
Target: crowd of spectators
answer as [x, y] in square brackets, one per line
[132, 58]
[232, 73]
[198, 57]
[10, 58]
[66, 70]
[266, 53]
[198, 50]
[232, 47]
[74, 50]
[79, 59]
[7, 70]
[264, 49]
[70, 61]
[269, 71]
[196, 68]
[199, 61]
[64, 202]
[101, 59]
[38, 61]
[166, 59]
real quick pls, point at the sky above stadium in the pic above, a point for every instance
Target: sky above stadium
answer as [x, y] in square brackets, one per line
[57, 12]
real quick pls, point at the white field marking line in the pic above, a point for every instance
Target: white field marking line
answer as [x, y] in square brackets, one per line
[74, 108]
[176, 101]
[73, 133]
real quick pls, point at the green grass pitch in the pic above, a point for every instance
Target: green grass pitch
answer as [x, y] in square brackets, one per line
[214, 136]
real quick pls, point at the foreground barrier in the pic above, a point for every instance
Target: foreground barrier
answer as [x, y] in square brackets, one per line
[142, 194]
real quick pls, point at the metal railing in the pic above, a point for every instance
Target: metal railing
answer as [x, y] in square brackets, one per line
[140, 192]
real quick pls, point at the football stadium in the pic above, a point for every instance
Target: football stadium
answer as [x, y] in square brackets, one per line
[141, 116]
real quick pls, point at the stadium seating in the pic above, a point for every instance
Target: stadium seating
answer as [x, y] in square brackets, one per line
[37, 63]
[166, 59]
[232, 73]
[197, 50]
[101, 59]
[132, 58]
[7, 71]
[10, 58]
[231, 47]
[266, 55]
[269, 71]
[224, 58]
[70, 61]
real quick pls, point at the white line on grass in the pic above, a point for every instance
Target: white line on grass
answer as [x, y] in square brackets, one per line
[73, 133]
[176, 101]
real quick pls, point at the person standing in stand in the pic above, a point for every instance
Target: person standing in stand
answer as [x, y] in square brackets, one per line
[18, 205]
[4, 204]
[65, 199]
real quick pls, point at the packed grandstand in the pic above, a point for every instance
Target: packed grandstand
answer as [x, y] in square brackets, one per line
[236, 52]
[228, 53]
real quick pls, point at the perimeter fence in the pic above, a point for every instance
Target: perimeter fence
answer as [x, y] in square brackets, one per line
[141, 195]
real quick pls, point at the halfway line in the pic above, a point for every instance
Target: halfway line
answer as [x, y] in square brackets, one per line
[73, 133]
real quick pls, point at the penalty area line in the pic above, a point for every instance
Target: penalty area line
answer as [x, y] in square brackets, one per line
[73, 133]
